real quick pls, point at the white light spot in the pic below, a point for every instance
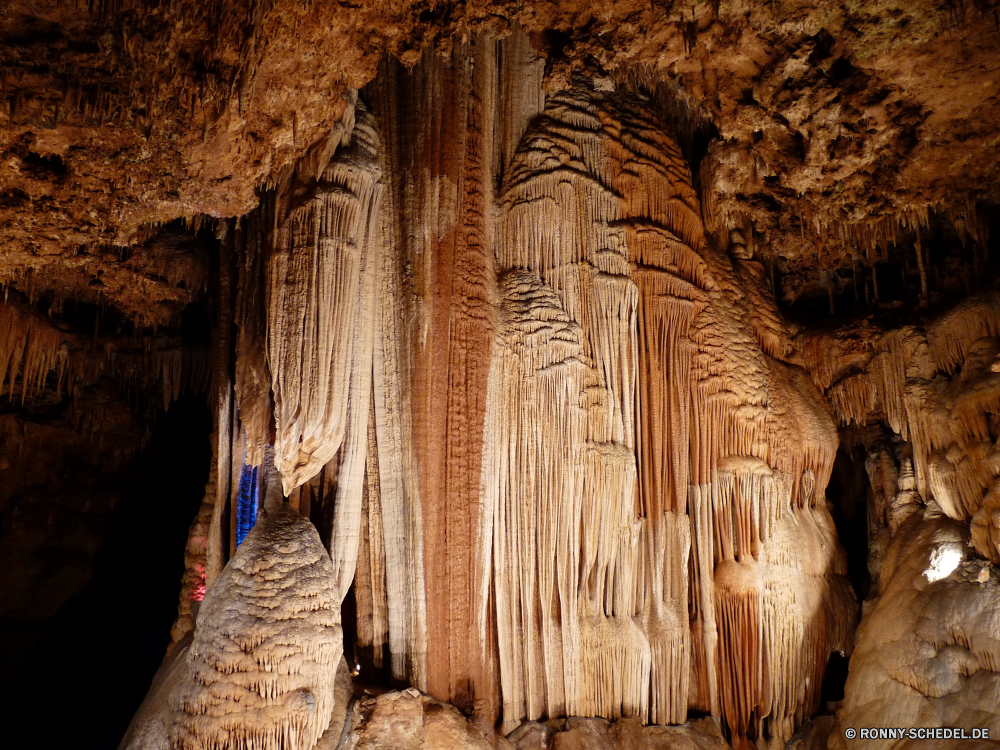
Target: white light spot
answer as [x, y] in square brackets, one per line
[944, 559]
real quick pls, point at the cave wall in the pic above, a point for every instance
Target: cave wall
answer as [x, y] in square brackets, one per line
[541, 408]
[120, 117]
[474, 317]
[920, 401]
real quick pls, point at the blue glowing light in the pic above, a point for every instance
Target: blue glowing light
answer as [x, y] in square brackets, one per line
[246, 503]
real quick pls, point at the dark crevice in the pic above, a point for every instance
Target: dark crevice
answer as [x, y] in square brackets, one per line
[850, 492]
[95, 658]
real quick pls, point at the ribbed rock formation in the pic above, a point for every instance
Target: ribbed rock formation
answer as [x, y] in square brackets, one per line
[319, 302]
[543, 425]
[513, 384]
[625, 372]
[259, 670]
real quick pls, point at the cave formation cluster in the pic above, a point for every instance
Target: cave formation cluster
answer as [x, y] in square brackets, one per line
[535, 366]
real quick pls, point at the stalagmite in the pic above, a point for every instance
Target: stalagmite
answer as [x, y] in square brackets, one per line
[628, 385]
[259, 671]
[193, 583]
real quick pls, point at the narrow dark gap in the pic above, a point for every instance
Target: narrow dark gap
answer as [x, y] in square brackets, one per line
[850, 494]
[368, 678]
[834, 679]
[349, 622]
[45, 164]
[95, 659]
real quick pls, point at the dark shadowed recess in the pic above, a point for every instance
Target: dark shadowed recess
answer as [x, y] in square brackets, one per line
[886, 286]
[849, 493]
[96, 657]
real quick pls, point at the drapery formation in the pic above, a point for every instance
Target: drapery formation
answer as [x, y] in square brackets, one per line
[937, 387]
[534, 412]
[653, 481]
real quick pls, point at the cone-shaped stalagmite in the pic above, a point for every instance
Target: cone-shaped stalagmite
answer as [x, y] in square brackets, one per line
[259, 670]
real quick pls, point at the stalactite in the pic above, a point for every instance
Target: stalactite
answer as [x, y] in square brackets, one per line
[986, 524]
[30, 350]
[628, 601]
[616, 382]
[218, 546]
[765, 318]
[252, 375]
[38, 359]
[952, 334]
[315, 290]
[398, 489]
[918, 249]
[737, 596]
[370, 583]
[935, 387]
[704, 629]
[536, 365]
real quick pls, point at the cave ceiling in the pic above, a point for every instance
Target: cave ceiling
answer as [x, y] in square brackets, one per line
[824, 130]
[715, 281]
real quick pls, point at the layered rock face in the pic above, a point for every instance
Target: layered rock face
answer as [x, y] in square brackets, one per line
[537, 413]
[505, 414]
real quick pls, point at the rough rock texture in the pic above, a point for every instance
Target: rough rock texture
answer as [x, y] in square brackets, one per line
[121, 117]
[923, 400]
[492, 299]
[928, 652]
[937, 387]
[409, 720]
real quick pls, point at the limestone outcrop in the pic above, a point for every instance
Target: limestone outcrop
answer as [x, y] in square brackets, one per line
[570, 371]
